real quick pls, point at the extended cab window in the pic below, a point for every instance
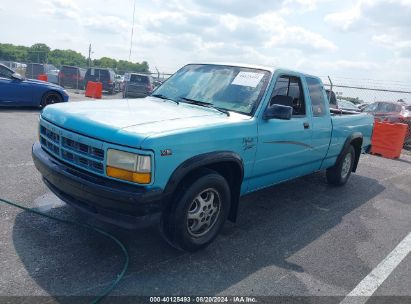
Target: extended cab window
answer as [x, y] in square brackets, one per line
[291, 86]
[317, 96]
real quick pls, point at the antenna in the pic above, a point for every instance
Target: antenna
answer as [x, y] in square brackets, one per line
[132, 32]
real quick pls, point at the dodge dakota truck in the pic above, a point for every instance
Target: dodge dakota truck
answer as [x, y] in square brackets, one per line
[182, 157]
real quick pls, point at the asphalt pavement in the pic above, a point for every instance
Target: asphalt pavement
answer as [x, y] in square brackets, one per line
[300, 238]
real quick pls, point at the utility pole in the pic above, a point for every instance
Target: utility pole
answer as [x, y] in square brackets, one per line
[89, 55]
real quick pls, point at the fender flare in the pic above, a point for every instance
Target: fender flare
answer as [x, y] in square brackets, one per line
[354, 136]
[202, 161]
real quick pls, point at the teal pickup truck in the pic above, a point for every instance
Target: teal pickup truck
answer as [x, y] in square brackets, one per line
[182, 157]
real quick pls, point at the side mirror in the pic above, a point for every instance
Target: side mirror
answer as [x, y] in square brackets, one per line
[279, 112]
[16, 76]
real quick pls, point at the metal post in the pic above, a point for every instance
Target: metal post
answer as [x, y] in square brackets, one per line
[89, 55]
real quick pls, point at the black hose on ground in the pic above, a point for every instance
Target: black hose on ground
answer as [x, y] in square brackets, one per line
[119, 276]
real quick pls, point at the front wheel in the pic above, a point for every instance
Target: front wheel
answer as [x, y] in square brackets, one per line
[50, 98]
[339, 174]
[198, 214]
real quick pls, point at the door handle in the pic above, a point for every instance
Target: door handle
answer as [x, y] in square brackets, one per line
[306, 125]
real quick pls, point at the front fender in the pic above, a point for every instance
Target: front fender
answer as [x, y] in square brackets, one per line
[199, 161]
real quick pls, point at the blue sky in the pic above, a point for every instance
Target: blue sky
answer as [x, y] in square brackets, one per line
[359, 39]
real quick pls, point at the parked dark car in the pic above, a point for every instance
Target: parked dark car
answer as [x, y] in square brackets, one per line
[33, 70]
[138, 85]
[18, 91]
[394, 112]
[105, 76]
[72, 77]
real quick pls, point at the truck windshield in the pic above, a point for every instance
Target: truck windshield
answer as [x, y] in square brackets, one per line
[231, 88]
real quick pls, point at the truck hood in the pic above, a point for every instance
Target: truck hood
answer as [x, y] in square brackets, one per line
[129, 121]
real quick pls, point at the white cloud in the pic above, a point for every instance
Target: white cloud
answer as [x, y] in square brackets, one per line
[106, 24]
[265, 31]
[388, 21]
[373, 13]
[345, 20]
[401, 48]
[168, 34]
[302, 5]
[66, 9]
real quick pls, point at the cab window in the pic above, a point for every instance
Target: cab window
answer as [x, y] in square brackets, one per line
[291, 86]
[316, 91]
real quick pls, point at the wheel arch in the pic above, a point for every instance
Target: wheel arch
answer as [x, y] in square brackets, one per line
[48, 91]
[228, 164]
[355, 140]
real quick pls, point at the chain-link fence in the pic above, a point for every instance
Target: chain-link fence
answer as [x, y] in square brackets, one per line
[385, 100]
[74, 77]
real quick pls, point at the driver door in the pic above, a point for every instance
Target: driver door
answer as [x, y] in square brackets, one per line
[285, 148]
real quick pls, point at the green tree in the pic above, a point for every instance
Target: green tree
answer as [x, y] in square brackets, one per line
[67, 57]
[38, 53]
[11, 52]
[41, 53]
[106, 62]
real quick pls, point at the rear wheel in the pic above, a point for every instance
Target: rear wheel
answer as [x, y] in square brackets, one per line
[50, 98]
[339, 174]
[198, 214]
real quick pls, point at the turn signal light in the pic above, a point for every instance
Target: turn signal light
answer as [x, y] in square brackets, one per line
[135, 177]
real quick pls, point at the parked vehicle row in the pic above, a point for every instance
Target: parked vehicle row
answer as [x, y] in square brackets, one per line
[394, 112]
[72, 77]
[33, 70]
[139, 85]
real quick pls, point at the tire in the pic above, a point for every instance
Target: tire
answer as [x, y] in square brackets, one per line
[339, 174]
[206, 200]
[50, 98]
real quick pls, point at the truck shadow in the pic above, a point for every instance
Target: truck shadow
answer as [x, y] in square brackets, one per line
[274, 224]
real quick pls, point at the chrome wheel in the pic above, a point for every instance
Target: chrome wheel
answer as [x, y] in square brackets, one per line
[203, 212]
[346, 165]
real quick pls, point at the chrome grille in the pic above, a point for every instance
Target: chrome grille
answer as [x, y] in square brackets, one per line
[71, 151]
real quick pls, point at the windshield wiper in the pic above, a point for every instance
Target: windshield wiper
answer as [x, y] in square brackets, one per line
[205, 104]
[161, 96]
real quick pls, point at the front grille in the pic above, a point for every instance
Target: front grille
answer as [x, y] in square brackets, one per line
[71, 151]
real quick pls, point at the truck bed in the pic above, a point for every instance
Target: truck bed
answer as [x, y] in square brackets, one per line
[343, 124]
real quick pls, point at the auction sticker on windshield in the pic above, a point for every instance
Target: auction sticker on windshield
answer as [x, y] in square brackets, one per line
[248, 79]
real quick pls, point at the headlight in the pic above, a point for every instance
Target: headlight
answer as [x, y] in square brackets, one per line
[128, 166]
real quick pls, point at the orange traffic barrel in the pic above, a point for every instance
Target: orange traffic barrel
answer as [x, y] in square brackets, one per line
[42, 77]
[94, 89]
[388, 139]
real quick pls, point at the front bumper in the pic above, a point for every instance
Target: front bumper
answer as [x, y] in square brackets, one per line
[125, 205]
